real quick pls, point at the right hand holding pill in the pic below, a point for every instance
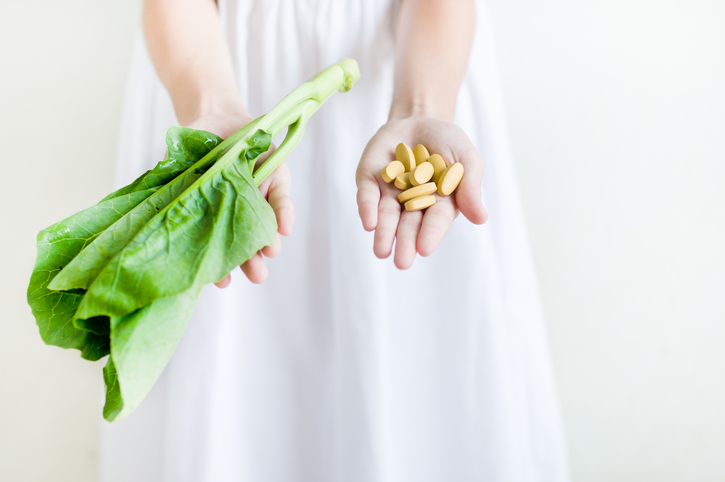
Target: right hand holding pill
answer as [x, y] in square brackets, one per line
[415, 231]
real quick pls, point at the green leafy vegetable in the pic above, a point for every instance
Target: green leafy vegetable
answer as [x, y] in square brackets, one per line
[142, 345]
[121, 278]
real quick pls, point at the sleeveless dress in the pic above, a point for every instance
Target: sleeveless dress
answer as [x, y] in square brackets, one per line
[340, 367]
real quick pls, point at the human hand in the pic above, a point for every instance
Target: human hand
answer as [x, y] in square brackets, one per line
[416, 232]
[275, 189]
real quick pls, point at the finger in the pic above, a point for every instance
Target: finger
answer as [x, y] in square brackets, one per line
[273, 251]
[280, 199]
[388, 217]
[468, 194]
[368, 197]
[224, 282]
[255, 269]
[436, 221]
[405, 239]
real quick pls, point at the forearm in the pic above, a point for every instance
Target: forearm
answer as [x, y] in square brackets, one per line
[433, 42]
[188, 49]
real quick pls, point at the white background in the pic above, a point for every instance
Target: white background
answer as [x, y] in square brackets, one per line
[616, 111]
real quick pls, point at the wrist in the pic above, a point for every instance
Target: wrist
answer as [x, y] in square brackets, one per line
[220, 123]
[228, 106]
[190, 106]
[421, 107]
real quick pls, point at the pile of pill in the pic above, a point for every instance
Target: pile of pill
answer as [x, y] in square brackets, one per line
[419, 175]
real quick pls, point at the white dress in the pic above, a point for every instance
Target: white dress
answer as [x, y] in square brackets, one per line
[329, 371]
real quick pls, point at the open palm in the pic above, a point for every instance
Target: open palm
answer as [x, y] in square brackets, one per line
[419, 231]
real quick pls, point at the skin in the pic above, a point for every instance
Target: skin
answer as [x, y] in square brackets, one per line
[190, 54]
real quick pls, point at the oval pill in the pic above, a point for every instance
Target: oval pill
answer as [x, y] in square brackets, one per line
[417, 191]
[448, 182]
[439, 165]
[392, 170]
[402, 182]
[404, 154]
[421, 154]
[420, 203]
[421, 174]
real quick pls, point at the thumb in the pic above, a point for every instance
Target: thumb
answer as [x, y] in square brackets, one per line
[468, 194]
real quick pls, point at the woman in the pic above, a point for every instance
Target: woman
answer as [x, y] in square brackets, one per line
[340, 366]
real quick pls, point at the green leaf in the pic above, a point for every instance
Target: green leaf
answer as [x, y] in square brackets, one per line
[53, 303]
[214, 226]
[114, 401]
[258, 144]
[83, 269]
[185, 146]
[142, 345]
[212, 221]
[57, 245]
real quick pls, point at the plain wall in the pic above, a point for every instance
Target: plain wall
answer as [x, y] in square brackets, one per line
[63, 67]
[617, 117]
[616, 112]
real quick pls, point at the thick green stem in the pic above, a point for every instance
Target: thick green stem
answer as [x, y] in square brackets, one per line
[294, 135]
[226, 144]
[338, 77]
[299, 105]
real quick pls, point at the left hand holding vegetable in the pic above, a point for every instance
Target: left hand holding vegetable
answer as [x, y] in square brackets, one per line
[418, 232]
[275, 189]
